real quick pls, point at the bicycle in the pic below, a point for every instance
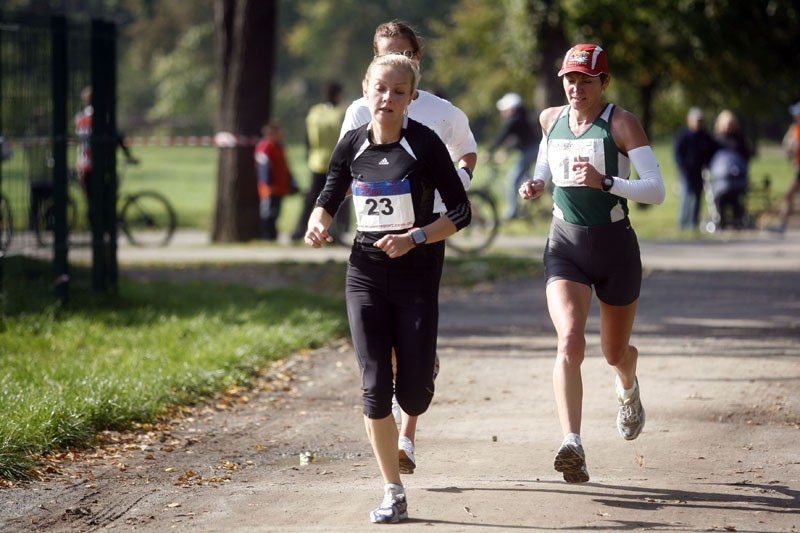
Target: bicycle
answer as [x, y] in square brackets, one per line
[146, 218]
[485, 225]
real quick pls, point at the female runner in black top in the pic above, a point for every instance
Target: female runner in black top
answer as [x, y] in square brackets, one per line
[392, 166]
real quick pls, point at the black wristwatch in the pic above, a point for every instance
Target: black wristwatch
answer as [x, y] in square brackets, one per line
[418, 236]
[608, 182]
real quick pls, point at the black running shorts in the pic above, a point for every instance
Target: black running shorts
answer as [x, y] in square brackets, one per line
[605, 257]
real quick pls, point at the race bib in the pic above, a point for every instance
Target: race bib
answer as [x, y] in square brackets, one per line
[563, 153]
[383, 205]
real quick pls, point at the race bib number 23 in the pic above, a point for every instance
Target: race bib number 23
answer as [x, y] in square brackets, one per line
[383, 205]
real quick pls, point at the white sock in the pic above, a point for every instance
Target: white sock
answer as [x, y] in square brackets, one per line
[394, 488]
[572, 437]
[624, 393]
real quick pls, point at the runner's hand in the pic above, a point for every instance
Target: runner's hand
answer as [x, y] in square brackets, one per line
[395, 245]
[531, 189]
[317, 235]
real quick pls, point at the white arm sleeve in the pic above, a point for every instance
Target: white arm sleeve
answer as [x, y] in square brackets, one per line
[542, 169]
[649, 188]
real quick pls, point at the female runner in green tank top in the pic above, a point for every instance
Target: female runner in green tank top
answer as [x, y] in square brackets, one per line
[587, 150]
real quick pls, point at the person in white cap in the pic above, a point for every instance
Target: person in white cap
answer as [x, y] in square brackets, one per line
[791, 143]
[523, 136]
[587, 151]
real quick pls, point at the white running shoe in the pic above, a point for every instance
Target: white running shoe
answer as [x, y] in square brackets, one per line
[630, 417]
[571, 462]
[393, 508]
[406, 450]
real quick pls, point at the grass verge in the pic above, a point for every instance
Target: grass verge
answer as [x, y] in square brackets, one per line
[109, 362]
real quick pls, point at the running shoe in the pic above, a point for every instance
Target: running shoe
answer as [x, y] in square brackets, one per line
[630, 418]
[406, 451]
[571, 462]
[393, 508]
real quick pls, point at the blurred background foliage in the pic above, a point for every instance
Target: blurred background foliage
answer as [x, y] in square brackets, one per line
[665, 55]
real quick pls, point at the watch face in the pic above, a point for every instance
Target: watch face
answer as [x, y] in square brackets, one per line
[418, 236]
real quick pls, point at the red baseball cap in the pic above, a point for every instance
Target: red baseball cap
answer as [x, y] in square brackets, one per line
[587, 58]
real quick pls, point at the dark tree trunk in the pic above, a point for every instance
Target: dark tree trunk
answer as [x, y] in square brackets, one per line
[646, 94]
[245, 33]
[548, 23]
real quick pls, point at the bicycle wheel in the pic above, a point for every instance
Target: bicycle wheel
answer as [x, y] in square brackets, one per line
[147, 219]
[46, 221]
[482, 231]
[6, 224]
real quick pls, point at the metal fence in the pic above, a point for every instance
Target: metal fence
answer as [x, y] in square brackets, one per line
[45, 64]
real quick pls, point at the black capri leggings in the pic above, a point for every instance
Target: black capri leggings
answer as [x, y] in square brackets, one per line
[394, 304]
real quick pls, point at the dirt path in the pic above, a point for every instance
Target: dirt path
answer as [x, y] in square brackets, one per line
[720, 374]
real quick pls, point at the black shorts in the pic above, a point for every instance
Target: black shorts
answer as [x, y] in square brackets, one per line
[605, 257]
[394, 304]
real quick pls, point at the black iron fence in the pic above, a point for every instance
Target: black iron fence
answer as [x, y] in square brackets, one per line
[46, 65]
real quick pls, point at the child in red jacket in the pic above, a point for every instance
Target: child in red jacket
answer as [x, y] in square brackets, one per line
[274, 178]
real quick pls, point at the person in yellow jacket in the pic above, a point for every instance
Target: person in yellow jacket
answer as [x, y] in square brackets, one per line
[323, 122]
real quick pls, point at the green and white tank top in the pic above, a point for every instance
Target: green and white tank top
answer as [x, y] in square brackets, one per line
[576, 203]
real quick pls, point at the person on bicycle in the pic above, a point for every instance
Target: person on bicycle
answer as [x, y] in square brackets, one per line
[452, 126]
[791, 143]
[83, 132]
[518, 130]
[587, 151]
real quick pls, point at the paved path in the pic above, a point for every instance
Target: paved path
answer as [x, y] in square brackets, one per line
[719, 335]
[748, 251]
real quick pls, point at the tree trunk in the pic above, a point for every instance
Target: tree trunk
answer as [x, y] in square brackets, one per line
[646, 95]
[245, 33]
[548, 24]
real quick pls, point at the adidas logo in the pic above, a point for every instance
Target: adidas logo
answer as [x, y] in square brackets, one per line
[384, 161]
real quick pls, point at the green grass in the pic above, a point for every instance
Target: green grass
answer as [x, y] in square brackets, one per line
[109, 361]
[187, 176]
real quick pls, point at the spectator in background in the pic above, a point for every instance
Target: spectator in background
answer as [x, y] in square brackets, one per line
[83, 133]
[692, 150]
[522, 135]
[274, 179]
[5, 149]
[791, 143]
[323, 123]
[728, 168]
